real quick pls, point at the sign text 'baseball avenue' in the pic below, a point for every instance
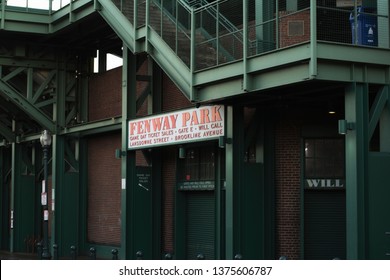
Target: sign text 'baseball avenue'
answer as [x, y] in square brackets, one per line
[199, 124]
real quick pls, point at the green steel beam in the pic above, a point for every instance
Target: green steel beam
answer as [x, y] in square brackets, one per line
[9, 93]
[385, 126]
[128, 159]
[12, 193]
[313, 38]
[93, 127]
[382, 98]
[356, 152]
[229, 206]
[43, 86]
[20, 21]
[352, 54]
[118, 22]
[176, 70]
[7, 133]
[34, 63]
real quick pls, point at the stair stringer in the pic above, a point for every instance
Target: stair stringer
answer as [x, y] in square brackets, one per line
[155, 46]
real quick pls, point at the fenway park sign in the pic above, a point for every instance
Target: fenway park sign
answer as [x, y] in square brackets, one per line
[200, 124]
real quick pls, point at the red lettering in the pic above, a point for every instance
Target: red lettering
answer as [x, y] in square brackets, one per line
[166, 124]
[157, 124]
[185, 119]
[204, 116]
[132, 128]
[173, 120]
[147, 126]
[194, 119]
[215, 114]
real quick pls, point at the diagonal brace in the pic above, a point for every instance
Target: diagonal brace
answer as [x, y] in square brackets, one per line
[7, 133]
[379, 104]
[21, 102]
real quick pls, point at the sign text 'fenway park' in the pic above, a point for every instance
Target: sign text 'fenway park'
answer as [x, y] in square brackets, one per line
[197, 124]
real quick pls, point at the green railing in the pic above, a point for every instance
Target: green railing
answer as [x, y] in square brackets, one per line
[206, 34]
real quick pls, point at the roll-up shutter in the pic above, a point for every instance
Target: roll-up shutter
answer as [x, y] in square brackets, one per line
[200, 224]
[324, 225]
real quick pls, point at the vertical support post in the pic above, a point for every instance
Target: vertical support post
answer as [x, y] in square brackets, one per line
[2, 23]
[356, 152]
[13, 186]
[192, 54]
[246, 78]
[229, 185]
[385, 126]
[313, 38]
[128, 161]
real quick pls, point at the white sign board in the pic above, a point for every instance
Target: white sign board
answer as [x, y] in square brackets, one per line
[197, 124]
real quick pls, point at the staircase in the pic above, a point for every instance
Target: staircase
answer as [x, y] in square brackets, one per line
[172, 36]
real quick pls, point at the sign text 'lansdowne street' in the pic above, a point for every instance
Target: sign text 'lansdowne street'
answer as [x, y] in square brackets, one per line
[198, 124]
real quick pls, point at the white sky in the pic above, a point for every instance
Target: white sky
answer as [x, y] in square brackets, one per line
[38, 4]
[113, 61]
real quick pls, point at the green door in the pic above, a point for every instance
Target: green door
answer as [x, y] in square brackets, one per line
[200, 224]
[252, 212]
[143, 218]
[324, 225]
[5, 184]
[378, 204]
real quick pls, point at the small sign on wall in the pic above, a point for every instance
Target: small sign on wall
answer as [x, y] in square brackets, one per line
[196, 186]
[347, 3]
[324, 184]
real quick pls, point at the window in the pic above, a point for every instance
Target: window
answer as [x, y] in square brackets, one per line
[198, 165]
[324, 158]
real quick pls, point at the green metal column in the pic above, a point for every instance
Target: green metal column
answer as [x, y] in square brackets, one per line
[356, 151]
[12, 196]
[155, 99]
[385, 125]
[128, 158]
[265, 10]
[229, 185]
[5, 166]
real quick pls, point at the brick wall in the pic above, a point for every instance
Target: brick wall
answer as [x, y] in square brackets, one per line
[287, 185]
[291, 23]
[104, 169]
[104, 189]
[105, 95]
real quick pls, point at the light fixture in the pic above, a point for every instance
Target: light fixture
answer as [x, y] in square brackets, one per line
[119, 153]
[223, 140]
[331, 109]
[45, 138]
[344, 126]
[182, 152]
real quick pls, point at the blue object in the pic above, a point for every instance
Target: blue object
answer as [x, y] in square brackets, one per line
[367, 27]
